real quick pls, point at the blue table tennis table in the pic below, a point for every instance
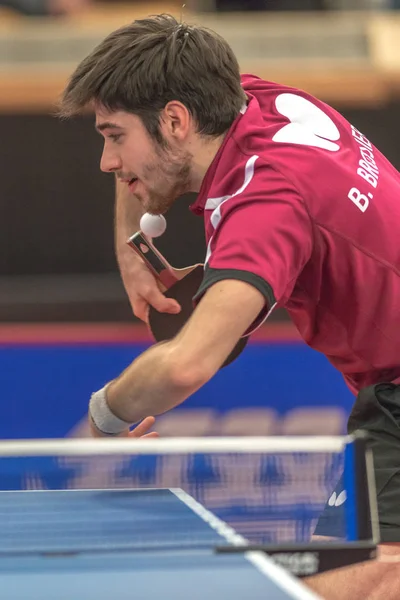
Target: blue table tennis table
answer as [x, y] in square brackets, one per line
[127, 544]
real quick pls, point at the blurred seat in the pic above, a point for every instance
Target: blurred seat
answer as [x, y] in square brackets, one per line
[188, 423]
[330, 420]
[250, 421]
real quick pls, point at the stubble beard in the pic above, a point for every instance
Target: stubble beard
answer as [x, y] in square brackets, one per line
[171, 174]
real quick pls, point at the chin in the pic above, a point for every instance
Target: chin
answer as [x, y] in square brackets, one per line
[147, 205]
[158, 208]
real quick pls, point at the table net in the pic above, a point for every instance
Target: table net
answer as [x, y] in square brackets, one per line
[268, 491]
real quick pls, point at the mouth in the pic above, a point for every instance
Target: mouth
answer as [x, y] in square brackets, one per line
[132, 183]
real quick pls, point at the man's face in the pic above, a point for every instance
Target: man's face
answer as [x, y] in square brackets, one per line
[154, 174]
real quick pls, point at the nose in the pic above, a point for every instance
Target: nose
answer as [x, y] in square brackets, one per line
[110, 161]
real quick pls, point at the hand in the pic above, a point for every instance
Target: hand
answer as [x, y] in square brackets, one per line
[141, 431]
[142, 289]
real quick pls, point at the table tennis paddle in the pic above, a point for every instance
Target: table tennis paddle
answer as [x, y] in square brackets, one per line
[180, 284]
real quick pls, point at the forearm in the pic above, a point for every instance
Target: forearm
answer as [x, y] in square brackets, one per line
[168, 373]
[127, 218]
[151, 385]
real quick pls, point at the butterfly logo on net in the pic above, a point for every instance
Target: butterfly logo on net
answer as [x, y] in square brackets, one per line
[309, 125]
[337, 499]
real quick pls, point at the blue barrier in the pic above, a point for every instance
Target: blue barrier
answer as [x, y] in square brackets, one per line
[45, 388]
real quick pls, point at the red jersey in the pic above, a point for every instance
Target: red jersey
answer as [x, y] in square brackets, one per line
[301, 205]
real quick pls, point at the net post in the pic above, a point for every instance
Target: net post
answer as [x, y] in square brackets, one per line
[367, 510]
[362, 523]
[351, 525]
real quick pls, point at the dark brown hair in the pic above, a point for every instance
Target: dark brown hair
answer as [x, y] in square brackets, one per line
[143, 66]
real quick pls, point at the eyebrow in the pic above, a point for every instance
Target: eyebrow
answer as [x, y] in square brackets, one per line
[107, 125]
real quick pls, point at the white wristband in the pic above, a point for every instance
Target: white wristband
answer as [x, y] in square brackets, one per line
[102, 417]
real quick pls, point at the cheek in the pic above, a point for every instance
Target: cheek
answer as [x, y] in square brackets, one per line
[141, 162]
[131, 150]
[129, 155]
[152, 168]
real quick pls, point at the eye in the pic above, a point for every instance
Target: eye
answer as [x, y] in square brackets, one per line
[115, 137]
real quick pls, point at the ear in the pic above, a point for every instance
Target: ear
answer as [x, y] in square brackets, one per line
[175, 121]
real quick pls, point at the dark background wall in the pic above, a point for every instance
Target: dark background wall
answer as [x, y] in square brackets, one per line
[57, 206]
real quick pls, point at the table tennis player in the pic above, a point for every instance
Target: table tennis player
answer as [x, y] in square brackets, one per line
[301, 211]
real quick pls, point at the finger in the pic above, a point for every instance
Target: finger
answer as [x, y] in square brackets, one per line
[141, 309]
[152, 435]
[158, 301]
[143, 427]
[161, 303]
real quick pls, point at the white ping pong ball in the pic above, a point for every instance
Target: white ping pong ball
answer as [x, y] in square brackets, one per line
[153, 225]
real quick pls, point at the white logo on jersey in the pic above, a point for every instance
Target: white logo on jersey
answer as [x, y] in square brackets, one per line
[337, 500]
[214, 204]
[308, 126]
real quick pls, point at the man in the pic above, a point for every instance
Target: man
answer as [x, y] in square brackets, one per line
[300, 210]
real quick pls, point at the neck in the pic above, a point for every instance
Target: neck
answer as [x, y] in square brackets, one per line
[203, 150]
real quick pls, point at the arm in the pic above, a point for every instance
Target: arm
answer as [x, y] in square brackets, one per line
[166, 374]
[139, 283]
[260, 244]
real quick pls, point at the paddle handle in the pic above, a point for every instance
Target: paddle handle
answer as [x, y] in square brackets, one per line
[155, 261]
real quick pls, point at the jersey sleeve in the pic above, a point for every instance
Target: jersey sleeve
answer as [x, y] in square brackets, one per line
[261, 235]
